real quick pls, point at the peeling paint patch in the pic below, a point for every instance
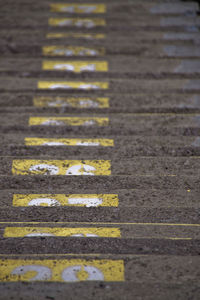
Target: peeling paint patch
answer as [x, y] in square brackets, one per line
[79, 102]
[68, 121]
[68, 142]
[62, 232]
[51, 200]
[75, 66]
[72, 51]
[53, 85]
[73, 270]
[61, 167]
[77, 22]
[78, 8]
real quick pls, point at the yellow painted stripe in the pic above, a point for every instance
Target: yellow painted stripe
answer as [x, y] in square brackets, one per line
[108, 232]
[62, 232]
[52, 200]
[71, 121]
[72, 270]
[74, 35]
[79, 102]
[61, 167]
[75, 66]
[52, 85]
[72, 51]
[68, 142]
[77, 22]
[78, 8]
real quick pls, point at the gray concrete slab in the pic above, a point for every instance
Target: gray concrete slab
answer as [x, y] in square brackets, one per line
[175, 8]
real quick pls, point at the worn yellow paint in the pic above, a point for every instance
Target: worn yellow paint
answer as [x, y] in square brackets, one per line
[64, 200]
[79, 102]
[73, 85]
[62, 232]
[75, 66]
[74, 35]
[61, 167]
[77, 22]
[78, 8]
[72, 121]
[72, 51]
[54, 270]
[68, 142]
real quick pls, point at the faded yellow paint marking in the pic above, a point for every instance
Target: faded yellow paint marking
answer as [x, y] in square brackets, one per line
[72, 51]
[61, 167]
[75, 66]
[77, 22]
[60, 270]
[68, 142]
[78, 8]
[62, 232]
[53, 85]
[87, 36]
[71, 121]
[51, 200]
[79, 102]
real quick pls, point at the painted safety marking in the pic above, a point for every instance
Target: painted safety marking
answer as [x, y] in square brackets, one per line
[79, 102]
[71, 121]
[61, 167]
[51, 200]
[75, 66]
[68, 142]
[74, 35]
[72, 51]
[78, 8]
[62, 232]
[77, 22]
[53, 85]
[72, 270]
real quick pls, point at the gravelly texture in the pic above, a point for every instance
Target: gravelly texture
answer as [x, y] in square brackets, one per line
[153, 106]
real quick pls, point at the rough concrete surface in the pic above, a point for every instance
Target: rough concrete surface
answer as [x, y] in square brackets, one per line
[100, 150]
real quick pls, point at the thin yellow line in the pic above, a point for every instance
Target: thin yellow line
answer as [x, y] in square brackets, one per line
[107, 223]
[51, 254]
[106, 176]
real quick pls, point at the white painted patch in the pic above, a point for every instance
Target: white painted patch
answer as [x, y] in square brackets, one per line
[66, 52]
[89, 103]
[87, 9]
[53, 123]
[70, 273]
[59, 86]
[69, 9]
[89, 123]
[88, 202]
[88, 51]
[85, 23]
[53, 144]
[35, 234]
[88, 86]
[57, 102]
[90, 67]
[43, 273]
[47, 201]
[87, 144]
[81, 170]
[67, 67]
[49, 169]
